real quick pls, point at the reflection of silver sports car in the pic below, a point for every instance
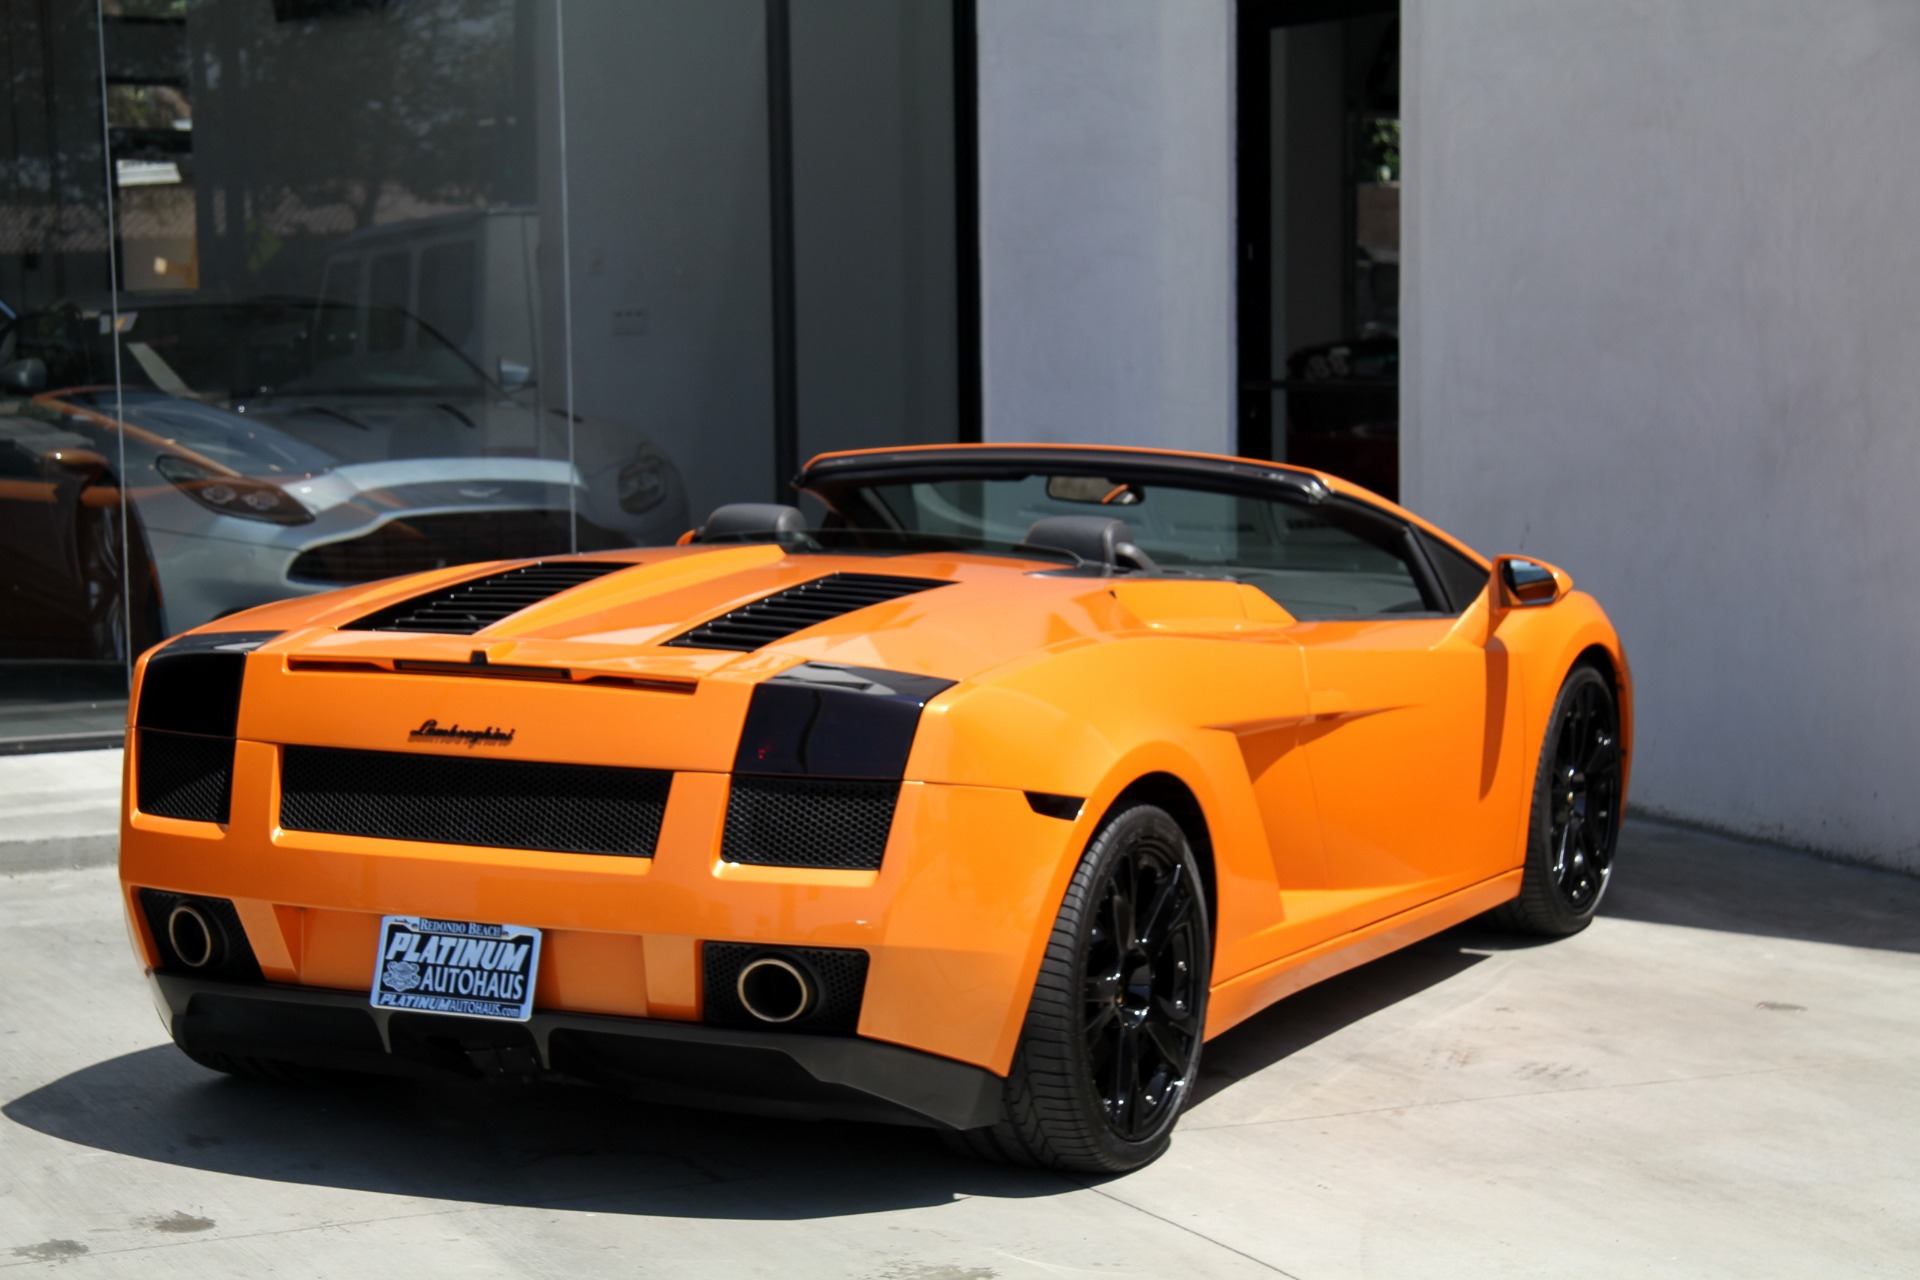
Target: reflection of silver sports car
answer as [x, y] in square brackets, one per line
[281, 447]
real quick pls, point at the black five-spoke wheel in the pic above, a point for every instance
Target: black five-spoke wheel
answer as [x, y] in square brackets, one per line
[1586, 795]
[1141, 1021]
[1576, 811]
[1111, 1045]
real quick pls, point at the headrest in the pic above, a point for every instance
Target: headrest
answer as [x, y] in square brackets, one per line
[1098, 540]
[739, 520]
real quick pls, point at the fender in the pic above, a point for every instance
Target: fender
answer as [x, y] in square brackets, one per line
[1565, 629]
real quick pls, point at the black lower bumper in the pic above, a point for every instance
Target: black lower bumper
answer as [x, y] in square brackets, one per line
[841, 1077]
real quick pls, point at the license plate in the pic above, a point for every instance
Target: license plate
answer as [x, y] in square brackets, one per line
[456, 966]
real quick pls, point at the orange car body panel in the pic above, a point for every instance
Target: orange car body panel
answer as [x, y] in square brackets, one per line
[1296, 740]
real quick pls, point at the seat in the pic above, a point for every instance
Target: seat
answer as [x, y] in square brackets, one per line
[751, 521]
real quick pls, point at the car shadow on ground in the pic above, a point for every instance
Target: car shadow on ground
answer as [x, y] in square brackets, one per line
[593, 1150]
[1675, 875]
[582, 1148]
[539, 1144]
[1338, 1002]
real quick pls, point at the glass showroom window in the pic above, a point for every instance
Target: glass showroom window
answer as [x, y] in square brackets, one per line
[337, 304]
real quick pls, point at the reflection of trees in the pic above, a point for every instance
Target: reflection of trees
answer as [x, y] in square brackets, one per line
[52, 183]
[302, 129]
[366, 116]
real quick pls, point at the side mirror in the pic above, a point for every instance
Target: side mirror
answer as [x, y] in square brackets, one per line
[1520, 582]
[24, 377]
[84, 463]
[511, 374]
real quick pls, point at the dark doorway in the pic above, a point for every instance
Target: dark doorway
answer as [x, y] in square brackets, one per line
[1319, 195]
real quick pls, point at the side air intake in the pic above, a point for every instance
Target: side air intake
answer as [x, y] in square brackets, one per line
[466, 607]
[783, 613]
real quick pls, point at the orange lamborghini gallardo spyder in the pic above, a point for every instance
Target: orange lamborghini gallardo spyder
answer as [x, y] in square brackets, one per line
[979, 802]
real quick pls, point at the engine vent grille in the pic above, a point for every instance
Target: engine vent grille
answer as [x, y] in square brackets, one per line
[811, 603]
[808, 822]
[466, 607]
[501, 804]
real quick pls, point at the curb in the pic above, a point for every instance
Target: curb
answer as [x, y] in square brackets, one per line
[62, 853]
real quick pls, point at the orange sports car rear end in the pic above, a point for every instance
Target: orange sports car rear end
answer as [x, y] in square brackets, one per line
[979, 805]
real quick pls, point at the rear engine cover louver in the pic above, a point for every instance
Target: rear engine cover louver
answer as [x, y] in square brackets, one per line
[808, 605]
[466, 607]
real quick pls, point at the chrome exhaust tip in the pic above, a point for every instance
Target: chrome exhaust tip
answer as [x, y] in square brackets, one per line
[774, 990]
[194, 938]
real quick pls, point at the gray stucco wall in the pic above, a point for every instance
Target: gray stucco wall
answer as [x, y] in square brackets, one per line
[1662, 324]
[1106, 220]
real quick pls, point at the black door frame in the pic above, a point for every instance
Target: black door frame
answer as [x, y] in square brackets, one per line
[1254, 433]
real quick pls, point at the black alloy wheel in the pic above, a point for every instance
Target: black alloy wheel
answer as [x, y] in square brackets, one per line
[1575, 823]
[1111, 1046]
[1141, 1021]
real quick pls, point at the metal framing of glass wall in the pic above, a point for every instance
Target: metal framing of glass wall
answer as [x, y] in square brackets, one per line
[300, 294]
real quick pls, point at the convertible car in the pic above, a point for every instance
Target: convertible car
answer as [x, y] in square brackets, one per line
[980, 801]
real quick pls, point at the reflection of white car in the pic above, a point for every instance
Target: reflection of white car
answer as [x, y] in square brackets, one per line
[276, 447]
[237, 513]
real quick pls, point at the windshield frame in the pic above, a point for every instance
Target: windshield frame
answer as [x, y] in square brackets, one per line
[839, 481]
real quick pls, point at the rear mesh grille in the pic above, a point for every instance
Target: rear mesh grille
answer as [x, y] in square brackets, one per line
[466, 607]
[809, 822]
[811, 603]
[840, 979]
[562, 808]
[185, 775]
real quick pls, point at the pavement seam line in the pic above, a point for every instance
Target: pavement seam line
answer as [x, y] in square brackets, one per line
[1501, 1097]
[1181, 1226]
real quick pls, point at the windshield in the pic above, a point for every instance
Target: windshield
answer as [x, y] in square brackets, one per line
[261, 349]
[1318, 560]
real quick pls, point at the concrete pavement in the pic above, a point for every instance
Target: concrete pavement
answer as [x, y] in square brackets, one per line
[59, 809]
[1716, 1079]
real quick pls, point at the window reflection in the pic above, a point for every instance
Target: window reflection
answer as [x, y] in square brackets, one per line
[284, 294]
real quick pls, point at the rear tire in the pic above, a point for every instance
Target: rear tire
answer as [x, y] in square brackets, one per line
[1110, 1050]
[1574, 825]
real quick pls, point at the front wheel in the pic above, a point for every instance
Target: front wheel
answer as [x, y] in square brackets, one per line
[1111, 1046]
[1575, 822]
